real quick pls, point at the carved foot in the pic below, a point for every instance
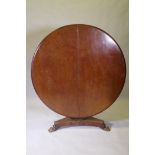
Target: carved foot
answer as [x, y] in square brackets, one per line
[52, 129]
[105, 127]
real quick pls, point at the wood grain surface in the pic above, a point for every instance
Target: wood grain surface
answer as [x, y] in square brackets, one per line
[78, 71]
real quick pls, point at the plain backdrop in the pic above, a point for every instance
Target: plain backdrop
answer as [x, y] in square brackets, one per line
[44, 16]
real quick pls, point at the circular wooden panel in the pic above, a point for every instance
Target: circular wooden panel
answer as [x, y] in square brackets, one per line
[78, 71]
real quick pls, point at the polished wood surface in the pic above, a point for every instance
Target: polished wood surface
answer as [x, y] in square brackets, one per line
[78, 71]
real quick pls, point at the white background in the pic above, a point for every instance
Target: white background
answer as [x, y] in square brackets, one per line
[13, 77]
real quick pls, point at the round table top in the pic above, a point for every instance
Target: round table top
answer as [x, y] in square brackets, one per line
[78, 70]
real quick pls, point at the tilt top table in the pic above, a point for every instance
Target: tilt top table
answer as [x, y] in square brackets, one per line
[78, 71]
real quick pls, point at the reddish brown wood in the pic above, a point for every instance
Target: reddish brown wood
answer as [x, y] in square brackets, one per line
[90, 121]
[78, 71]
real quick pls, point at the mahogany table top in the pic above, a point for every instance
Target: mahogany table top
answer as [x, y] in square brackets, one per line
[78, 70]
